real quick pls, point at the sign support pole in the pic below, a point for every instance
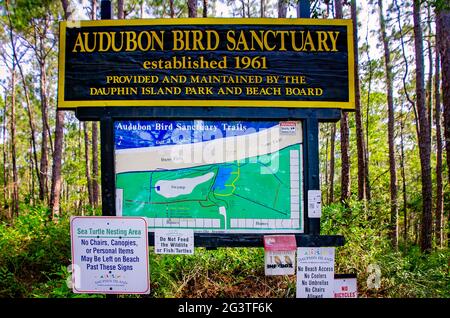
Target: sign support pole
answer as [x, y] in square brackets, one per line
[303, 9]
[311, 153]
[108, 169]
[107, 147]
[105, 10]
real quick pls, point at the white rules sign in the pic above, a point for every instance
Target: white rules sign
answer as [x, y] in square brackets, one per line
[315, 272]
[174, 241]
[109, 255]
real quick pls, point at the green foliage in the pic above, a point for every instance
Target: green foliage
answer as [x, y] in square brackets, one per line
[403, 274]
[23, 11]
[31, 249]
[210, 273]
[35, 253]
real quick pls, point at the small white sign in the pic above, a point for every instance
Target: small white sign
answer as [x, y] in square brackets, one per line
[288, 127]
[109, 255]
[314, 203]
[345, 288]
[315, 272]
[174, 241]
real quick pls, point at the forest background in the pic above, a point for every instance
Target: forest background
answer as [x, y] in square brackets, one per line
[385, 168]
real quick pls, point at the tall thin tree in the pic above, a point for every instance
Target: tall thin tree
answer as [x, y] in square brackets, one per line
[120, 9]
[87, 163]
[192, 8]
[172, 9]
[95, 186]
[205, 8]
[345, 143]
[439, 233]
[424, 133]
[358, 117]
[391, 133]
[282, 8]
[55, 191]
[443, 20]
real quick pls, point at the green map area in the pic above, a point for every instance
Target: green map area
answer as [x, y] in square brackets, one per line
[250, 194]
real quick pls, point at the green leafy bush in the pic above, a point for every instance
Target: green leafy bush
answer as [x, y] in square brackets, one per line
[35, 253]
[403, 273]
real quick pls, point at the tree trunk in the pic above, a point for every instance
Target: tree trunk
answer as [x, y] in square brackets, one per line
[95, 187]
[424, 135]
[429, 90]
[95, 163]
[391, 132]
[338, 9]
[369, 91]
[205, 8]
[439, 187]
[192, 8]
[443, 19]
[172, 9]
[31, 121]
[282, 8]
[332, 161]
[402, 167]
[43, 189]
[443, 46]
[94, 9]
[345, 158]
[55, 193]
[88, 164]
[263, 8]
[359, 127]
[406, 66]
[16, 61]
[15, 197]
[15, 194]
[5, 158]
[120, 10]
[31, 174]
[65, 5]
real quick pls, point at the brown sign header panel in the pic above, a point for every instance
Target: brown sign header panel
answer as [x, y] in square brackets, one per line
[207, 62]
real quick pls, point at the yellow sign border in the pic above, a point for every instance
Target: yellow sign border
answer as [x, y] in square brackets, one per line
[63, 104]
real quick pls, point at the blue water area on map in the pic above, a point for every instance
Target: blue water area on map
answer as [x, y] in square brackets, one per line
[155, 133]
[223, 175]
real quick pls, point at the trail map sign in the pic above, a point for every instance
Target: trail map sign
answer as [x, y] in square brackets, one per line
[207, 62]
[211, 176]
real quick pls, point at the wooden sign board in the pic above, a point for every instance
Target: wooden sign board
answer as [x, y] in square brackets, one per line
[207, 62]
